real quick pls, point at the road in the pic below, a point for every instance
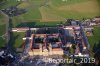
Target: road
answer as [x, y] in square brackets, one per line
[84, 35]
[85, 38]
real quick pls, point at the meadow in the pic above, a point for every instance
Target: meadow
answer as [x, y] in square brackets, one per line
[57, 10]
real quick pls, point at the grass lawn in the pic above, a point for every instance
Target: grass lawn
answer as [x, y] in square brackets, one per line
[2, 19]
[95, 39]
[2, 42]
[17, 39]
[2, 30]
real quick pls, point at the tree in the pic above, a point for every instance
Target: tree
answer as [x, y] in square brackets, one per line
[94, 47]
[73, 46]
[1, 1]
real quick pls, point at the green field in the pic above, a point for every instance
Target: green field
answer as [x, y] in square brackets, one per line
[8, 3]
[17, 39]
[53, 10]
[2, 30]
[95, 39]
[57, 10]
